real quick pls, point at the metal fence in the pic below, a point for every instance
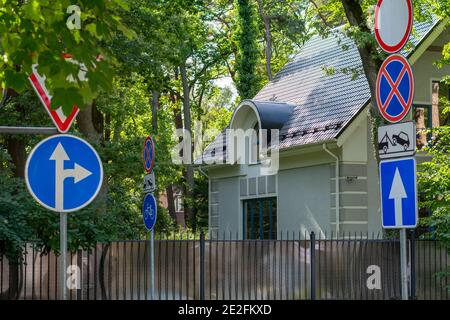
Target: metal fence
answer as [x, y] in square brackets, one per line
[294, 267]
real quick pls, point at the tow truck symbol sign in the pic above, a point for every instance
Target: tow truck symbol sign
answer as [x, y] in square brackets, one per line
[402, 139]
[397, 140]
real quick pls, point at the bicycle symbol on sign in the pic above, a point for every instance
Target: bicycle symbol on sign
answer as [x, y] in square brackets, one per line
[148, 212]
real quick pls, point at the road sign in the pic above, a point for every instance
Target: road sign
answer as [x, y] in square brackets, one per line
[393, 24]
[149, 154]
[63, 173]
[397, 140]
[395, 88]
[149, 182]
[149, 210]
[398, 187]
[61, 121]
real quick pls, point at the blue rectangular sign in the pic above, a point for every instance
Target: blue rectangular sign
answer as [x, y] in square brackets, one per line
[398, 190]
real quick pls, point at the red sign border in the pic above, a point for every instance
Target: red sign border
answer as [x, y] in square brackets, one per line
[62, 127]
[409, 103]
[401, 44]
[143, 155]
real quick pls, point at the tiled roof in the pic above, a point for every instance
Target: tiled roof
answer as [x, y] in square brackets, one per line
[323, 103]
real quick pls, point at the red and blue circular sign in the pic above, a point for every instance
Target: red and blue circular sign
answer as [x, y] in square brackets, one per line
[149, 154]
[395, 88]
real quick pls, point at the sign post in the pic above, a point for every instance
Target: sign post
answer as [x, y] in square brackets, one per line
[394, 98]
[63, 173]
[63, 255]
[404, 264]
[149, 208]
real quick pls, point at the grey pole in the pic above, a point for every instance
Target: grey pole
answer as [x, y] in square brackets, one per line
[63, 255]
[404, 264]
[152, 265]
[28, 130]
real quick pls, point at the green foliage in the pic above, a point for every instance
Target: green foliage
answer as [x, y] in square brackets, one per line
[434, 184]
[248, 80]
[35, 31]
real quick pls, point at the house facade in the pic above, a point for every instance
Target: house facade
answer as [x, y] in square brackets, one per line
[326, 178]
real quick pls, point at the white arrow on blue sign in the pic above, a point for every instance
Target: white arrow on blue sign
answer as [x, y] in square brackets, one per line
[398, 186]
[63, 173]
[149, 209]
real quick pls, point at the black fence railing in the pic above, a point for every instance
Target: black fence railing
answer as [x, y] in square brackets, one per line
[294, 267]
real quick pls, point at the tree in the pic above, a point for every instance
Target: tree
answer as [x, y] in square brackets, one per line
[35, 32]
[248, 80]
[285, 29]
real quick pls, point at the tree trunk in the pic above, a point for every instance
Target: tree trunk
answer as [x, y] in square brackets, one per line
[370, 61]
[178, 120]
[268, 38]
[16, 149]
[107, 127]
[155, 107]
[170, 202]
[435, 119]
[420, 123]
[189, 173]
[90, 122]
[367, 51]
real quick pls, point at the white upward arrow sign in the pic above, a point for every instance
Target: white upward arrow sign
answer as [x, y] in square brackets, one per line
[79, 173]
[397, 194]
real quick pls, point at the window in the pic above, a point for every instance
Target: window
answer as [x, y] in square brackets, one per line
[260, 218]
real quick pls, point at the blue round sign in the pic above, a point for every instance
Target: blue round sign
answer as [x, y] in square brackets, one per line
[149, 211]
[149, 154]
[63, 173]
[395, 88]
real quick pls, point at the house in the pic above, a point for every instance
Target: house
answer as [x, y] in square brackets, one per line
[327, 179]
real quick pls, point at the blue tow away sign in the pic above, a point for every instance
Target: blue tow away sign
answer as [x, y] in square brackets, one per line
[398, 186]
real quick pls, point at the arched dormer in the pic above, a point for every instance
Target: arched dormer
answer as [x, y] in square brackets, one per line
[259, 115]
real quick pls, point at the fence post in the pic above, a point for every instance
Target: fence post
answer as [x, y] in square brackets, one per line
[202, 266]
[313, 265]
[413, 264]
[80, 279]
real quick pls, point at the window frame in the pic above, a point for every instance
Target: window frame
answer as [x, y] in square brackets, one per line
[273, 218]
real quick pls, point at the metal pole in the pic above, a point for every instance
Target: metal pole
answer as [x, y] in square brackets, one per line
[152, 265]
[404, 264]
[202, 266]
[63, 255]
[413, 265]
[28, 130]
[313, 265]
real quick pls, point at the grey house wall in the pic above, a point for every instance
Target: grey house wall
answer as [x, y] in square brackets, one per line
[224, 207]
[304, 200]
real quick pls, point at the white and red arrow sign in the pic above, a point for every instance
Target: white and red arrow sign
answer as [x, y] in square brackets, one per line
[61, 121]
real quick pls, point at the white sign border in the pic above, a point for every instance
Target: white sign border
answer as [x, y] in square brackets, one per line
[30, 190]
[416, 195]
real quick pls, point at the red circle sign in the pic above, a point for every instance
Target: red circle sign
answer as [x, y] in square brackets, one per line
[395, 88]
[149, 154]
[393, 24]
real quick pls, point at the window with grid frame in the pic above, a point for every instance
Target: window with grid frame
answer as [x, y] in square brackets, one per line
[260, 218]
